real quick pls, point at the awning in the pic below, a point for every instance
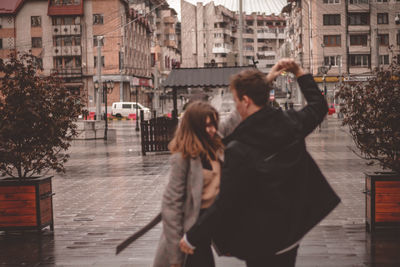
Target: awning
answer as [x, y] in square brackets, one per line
[201, 77]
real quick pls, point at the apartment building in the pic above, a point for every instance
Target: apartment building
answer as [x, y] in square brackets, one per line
[212, 38]
[263, 35]
[166, 52]
[63, 33]
[207, 35]
[165, 43]
[349, 38]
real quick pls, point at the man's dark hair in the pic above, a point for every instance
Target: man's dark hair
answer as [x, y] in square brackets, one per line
[252, 83]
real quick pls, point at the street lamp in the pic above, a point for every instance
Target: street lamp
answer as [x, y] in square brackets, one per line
[108, 87]
[137, 117]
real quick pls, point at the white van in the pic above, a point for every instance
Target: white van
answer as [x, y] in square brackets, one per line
[123, 109]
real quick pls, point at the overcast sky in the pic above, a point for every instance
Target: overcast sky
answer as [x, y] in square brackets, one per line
[266, 6]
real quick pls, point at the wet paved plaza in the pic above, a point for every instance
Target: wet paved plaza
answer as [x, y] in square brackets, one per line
[109, 191]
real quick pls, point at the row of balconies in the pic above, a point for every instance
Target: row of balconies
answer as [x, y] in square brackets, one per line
[67, 72]
[270, 35]
[67, 51]
[66, 29]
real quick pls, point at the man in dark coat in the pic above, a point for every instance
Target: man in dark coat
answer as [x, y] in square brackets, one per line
[272, 192]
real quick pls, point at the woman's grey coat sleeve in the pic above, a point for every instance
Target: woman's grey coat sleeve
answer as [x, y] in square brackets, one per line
[172, 207]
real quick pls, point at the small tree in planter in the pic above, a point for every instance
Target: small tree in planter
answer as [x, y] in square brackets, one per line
[37, 116]
[372, 112]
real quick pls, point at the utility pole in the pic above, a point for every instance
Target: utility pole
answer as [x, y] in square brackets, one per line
[377, 48]
[121, 62]
[240, 33]
[156, 97]
[100, 89]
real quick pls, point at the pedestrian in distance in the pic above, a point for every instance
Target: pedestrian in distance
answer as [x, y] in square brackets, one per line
[194, 178]
[272, 192]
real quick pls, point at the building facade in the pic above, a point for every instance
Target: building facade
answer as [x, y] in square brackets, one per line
[212, 38]
[64, 35]
[165, 42]
[263, 35]
[342, 38]
[207, 35]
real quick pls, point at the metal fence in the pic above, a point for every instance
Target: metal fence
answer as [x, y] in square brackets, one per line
[156, 133]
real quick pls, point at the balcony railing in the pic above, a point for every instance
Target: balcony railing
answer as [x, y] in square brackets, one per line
[65, 7]
[221, 50]
[67, 72]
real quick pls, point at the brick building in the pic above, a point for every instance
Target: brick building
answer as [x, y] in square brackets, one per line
[63, 33]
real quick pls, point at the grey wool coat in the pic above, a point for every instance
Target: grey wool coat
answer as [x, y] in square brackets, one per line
[182, 200]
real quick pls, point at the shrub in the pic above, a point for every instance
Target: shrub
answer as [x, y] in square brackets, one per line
[37, 116]
[372, 112]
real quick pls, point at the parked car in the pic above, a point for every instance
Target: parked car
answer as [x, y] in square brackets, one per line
[124, 109]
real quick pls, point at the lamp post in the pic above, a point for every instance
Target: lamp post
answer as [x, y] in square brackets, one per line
[137, 116]
[108, 87]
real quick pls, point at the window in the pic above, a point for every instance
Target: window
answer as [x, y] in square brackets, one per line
[384, 59]
[331, 1]
[359, 39]
[77, 40]
[153, 59]
[67, 62]
[332, 40]
[358, 18]
[249, 40]
[383, 18]
[65, 2]
[382, 1]
[1, 43]
[78, 62]
[383, 39]
[398, 38]
[359, 1]
[39, 62]
[359, 60]
[333, 61]
[36, 42]
[98, 19]
[68, 41]
[127, 106]
[36, 21]
[331, 19]
[95, 61]
[95, 41]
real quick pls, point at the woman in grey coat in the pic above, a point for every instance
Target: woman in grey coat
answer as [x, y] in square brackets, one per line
[197, 152]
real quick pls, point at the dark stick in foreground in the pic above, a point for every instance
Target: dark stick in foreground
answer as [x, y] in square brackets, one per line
[138, 234]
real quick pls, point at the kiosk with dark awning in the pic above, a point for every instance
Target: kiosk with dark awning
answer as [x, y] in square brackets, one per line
[199, 77]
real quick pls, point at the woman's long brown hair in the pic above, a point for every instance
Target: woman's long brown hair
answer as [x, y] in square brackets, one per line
[191, 138]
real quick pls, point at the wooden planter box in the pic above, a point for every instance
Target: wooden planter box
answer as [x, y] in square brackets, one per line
[26, 204]
[382, 197]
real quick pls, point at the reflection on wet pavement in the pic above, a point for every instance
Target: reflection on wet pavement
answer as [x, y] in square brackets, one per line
[110, 190]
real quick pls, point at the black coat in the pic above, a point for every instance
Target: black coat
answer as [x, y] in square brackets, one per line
[272, 192]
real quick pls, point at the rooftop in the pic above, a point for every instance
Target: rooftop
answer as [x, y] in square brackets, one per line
[10, 6]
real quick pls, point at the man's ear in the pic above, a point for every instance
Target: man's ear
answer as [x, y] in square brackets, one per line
[247, 100]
